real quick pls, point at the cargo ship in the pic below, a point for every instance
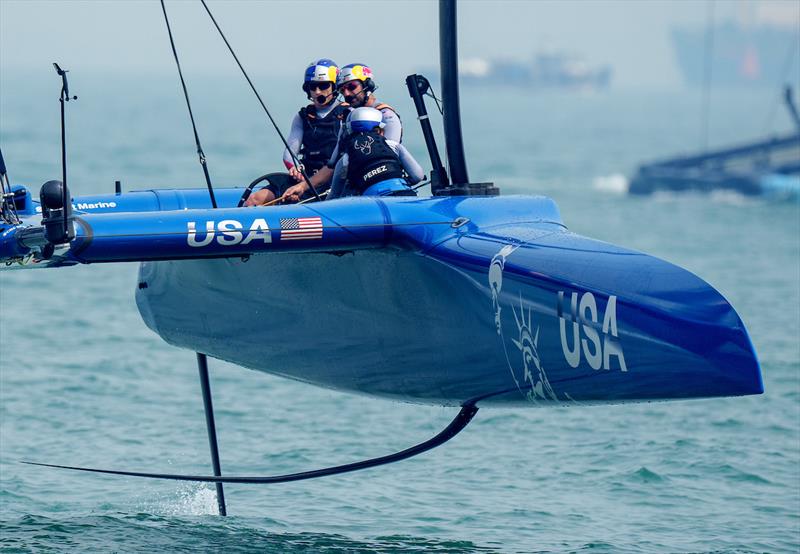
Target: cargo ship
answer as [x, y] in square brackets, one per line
[754, 55]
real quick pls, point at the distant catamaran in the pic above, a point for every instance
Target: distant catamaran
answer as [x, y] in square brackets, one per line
[724, 56]
[464, 298]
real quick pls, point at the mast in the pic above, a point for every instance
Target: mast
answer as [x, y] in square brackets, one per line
[448, 62]
[451, 110]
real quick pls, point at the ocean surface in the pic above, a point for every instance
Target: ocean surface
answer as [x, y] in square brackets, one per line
[84, 382]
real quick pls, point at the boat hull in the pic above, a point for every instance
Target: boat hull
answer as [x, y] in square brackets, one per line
[511, 313]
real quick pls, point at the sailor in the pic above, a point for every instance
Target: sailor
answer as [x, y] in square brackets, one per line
[315, 128]
[357, 87]
[371, 164]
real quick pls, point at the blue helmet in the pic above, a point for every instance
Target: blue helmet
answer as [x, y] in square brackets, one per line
[365, 119]
[321, 71]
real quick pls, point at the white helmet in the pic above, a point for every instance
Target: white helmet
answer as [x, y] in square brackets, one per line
[321, 71]
[357, 72]
[364, 119]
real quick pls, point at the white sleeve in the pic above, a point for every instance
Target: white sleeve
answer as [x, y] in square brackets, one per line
[393, 128]
[339, 178]
[414, 170]
[295, 139]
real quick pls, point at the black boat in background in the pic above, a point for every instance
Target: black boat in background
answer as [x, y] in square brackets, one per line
[756, 51]
[770, 166]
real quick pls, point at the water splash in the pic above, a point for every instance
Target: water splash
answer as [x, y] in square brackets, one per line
[189, 499]
[614, 184]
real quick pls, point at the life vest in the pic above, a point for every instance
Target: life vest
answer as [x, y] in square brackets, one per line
[384, 105]
[320, 135]
[370, 160]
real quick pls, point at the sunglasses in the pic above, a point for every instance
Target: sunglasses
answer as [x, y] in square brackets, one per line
[350, 87]
[320, 86]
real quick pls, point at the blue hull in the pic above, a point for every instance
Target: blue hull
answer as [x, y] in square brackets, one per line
[509, 308]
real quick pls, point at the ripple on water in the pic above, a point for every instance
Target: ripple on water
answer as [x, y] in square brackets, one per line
[645, 475]
[734, 473]
[148, 532]
[728, 423]
[741, 475]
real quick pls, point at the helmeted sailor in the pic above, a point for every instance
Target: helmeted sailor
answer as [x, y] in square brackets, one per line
[315, 128]
[357, 86]
[371, 164]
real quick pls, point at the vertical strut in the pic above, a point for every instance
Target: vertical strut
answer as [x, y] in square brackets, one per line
[448, 64]
[202, 366]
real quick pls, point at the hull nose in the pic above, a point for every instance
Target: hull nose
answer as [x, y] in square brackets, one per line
[683, 337]
[698, 333]
[625, 325]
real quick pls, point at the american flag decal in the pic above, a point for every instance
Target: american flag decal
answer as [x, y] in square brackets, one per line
[301, 228]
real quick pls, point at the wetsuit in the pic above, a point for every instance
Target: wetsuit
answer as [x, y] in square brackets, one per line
[313, 138]
[373, 165]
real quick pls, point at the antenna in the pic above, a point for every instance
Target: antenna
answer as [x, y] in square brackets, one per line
[54, 195]
[65, 200]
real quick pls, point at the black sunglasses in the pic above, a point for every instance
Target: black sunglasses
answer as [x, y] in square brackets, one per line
[325, 85]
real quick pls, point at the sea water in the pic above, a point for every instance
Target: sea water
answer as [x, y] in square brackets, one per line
[84, 382]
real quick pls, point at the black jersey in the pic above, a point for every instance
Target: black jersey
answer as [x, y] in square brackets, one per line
[320, 135]
[370, 160]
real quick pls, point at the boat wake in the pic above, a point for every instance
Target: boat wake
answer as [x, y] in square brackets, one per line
[724, 197]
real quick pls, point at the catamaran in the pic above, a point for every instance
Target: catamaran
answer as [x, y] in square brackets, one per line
[465, 298]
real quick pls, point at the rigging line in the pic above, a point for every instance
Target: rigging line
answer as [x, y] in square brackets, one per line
[461, 420]
[345, 228]
[269, 115]
[787, 65]
[8, 209]
[437, 100]
[200, 153]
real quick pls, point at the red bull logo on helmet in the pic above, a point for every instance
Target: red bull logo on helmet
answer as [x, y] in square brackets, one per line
[353, 72]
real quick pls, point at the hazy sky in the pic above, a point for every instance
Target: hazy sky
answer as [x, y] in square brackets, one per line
[394, 37]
